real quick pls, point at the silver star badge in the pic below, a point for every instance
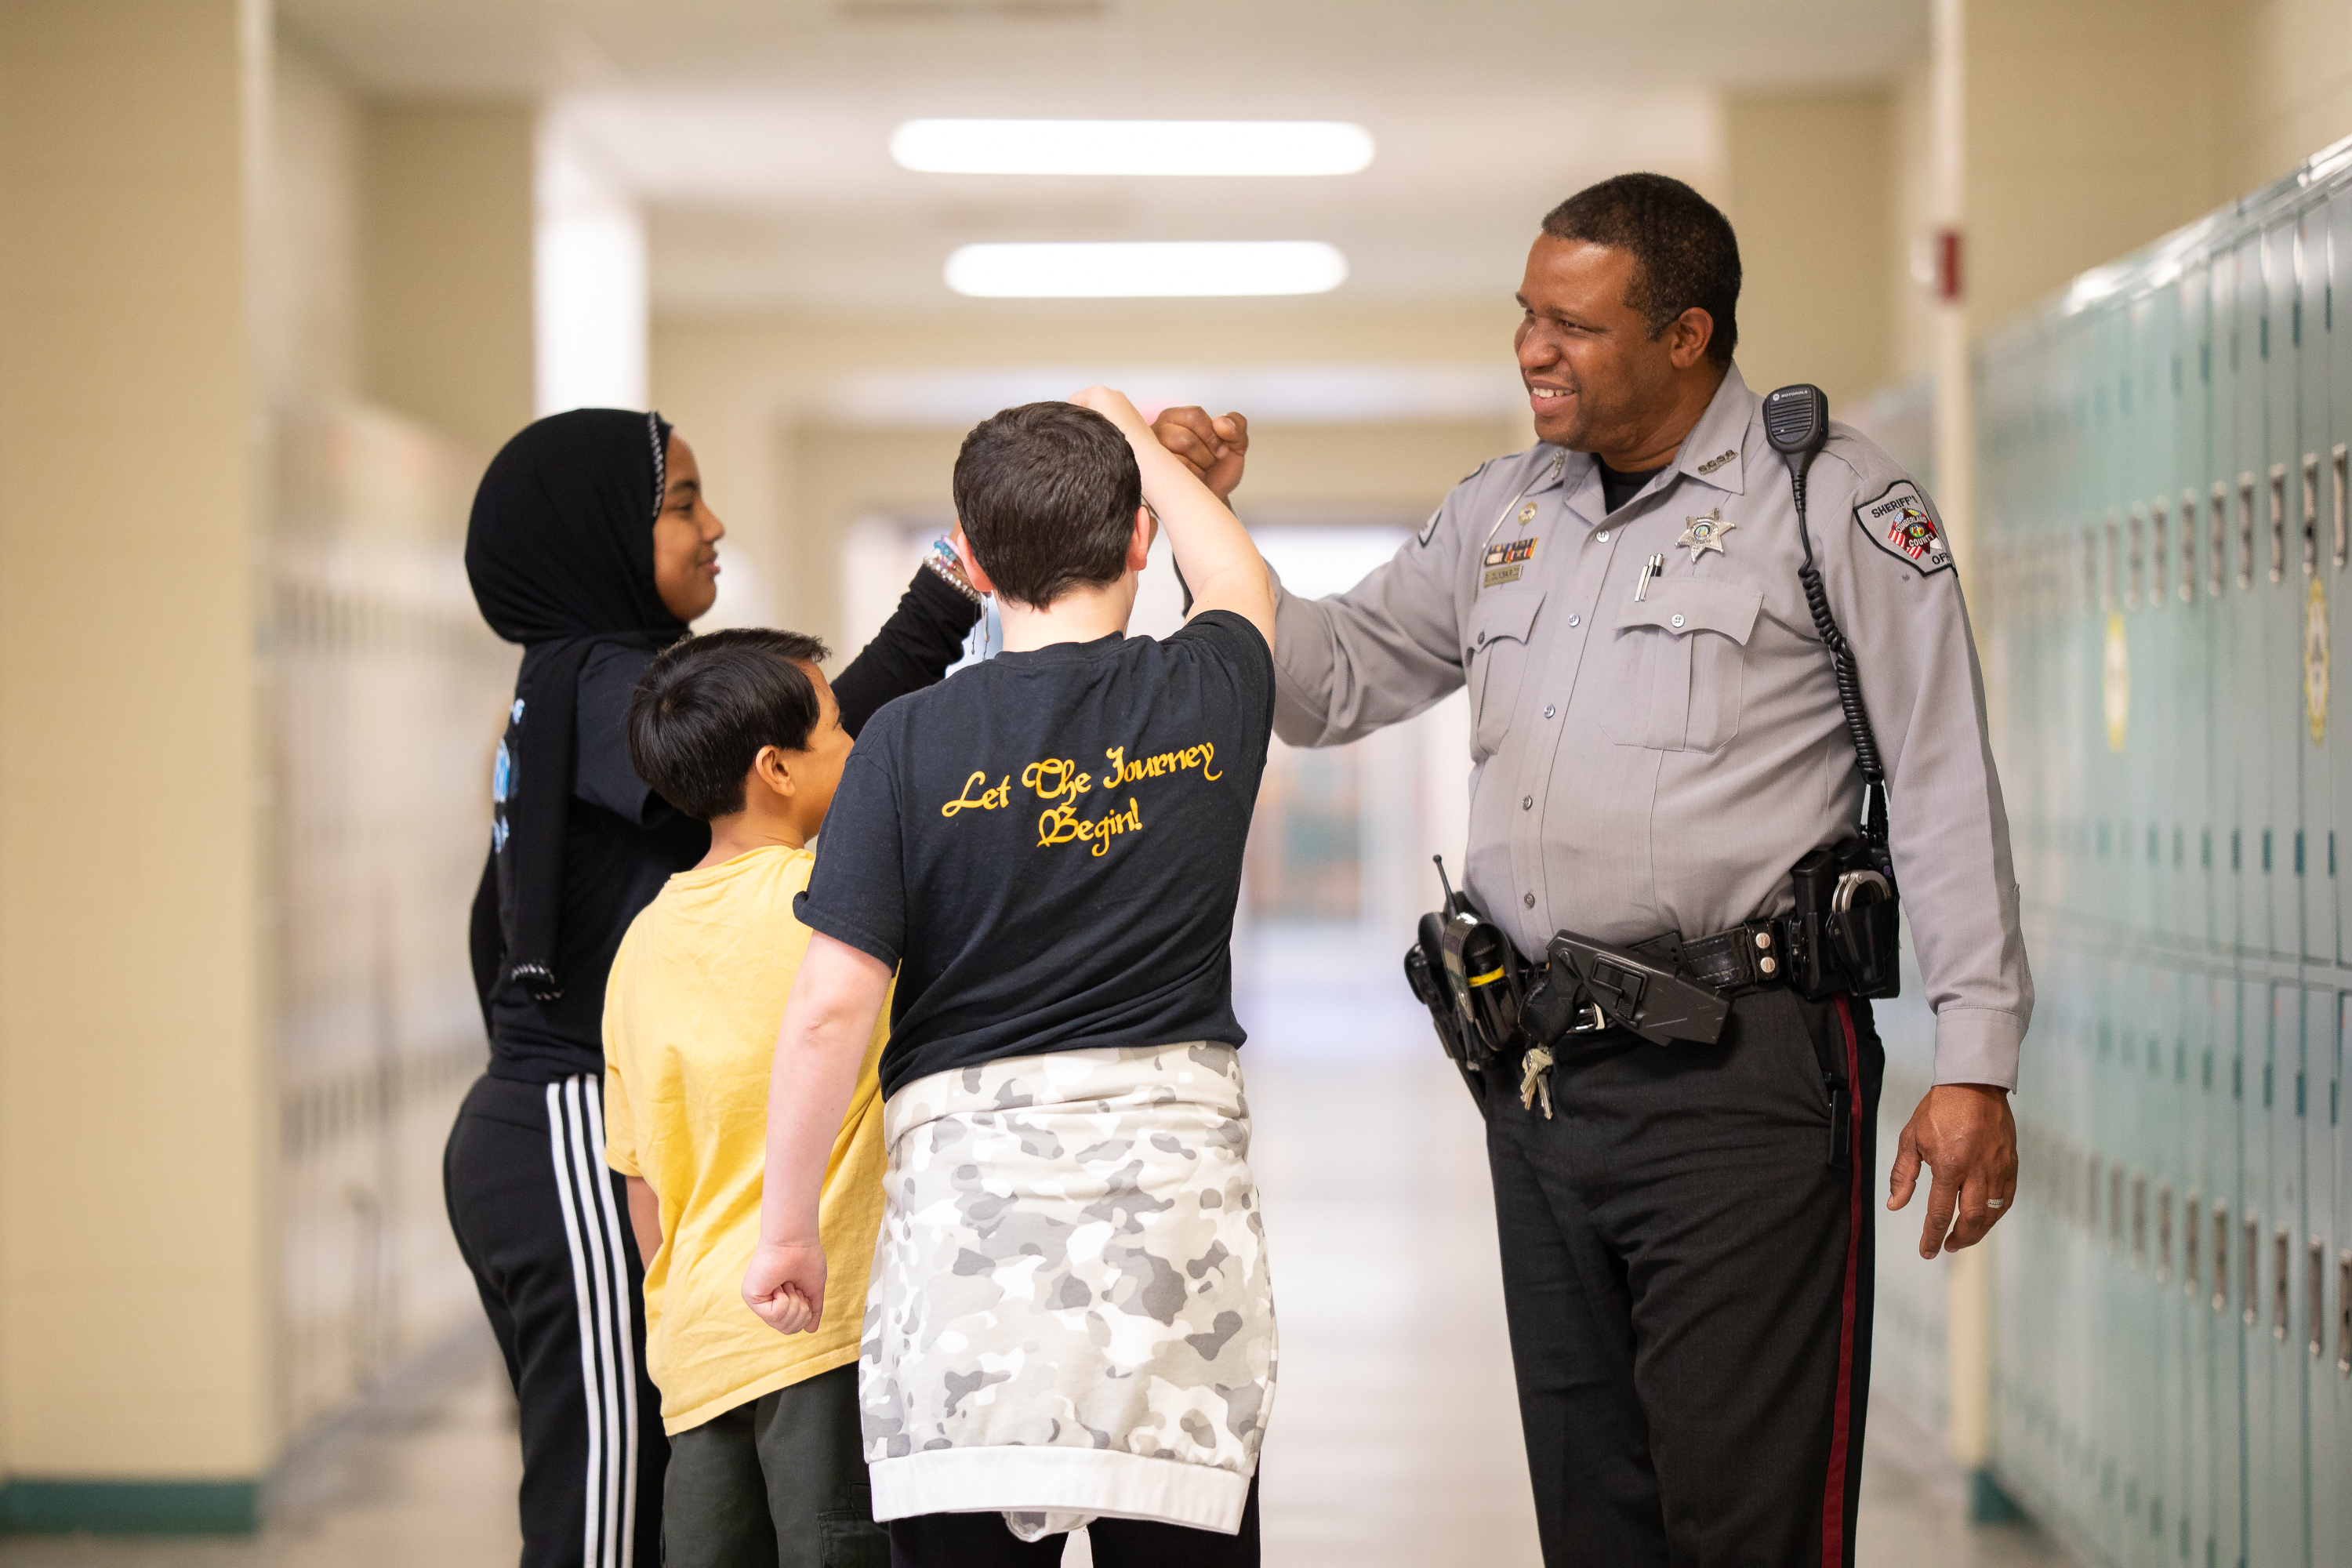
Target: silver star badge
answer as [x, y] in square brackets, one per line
[1704, 532]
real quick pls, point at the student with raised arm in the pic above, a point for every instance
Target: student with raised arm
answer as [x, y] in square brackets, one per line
[1070, 1320]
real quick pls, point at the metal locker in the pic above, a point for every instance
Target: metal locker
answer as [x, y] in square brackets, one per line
[2273, 296]
[2329, 1346]
[2311, 553]
[2240, 916]
[2186, 483]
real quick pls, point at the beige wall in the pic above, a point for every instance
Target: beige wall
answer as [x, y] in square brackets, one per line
[1811, 182]
[134, 1312]
[446, 266]
[2289, 88]
[2092, 127]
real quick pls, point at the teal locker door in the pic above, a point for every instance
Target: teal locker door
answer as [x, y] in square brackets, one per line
[2311, 558]
[2197, 593]
[2127, 779]
[2278, 586]
[2144, 1365]
[2168, 617]
[2175, 1178]
[2206, 1112]
[2328, 1179]
[2269, 1232]
[2238, 728]
[2251, 1002]
[2336, 527]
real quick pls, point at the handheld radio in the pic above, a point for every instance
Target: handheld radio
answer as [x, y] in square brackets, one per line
[1843, 933]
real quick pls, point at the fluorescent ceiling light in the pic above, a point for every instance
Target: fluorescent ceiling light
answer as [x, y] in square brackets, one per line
[1131, 146]
[1138, 269]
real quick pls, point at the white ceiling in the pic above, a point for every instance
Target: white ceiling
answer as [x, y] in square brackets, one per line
[754, 130]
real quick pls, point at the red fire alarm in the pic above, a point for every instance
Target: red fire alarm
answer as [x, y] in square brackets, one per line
[1947, 265]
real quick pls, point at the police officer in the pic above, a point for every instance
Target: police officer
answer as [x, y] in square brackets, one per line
[1658, 739]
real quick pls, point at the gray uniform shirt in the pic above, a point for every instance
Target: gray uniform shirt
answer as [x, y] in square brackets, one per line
[1657, 764]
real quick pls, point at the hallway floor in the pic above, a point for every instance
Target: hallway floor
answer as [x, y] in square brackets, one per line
[1395, 1442]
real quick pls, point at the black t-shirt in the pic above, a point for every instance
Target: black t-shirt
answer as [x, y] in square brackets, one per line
[1048, 846]
[1618, 487]
[621, 841]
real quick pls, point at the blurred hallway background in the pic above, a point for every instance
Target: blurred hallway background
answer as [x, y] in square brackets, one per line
[276, 279]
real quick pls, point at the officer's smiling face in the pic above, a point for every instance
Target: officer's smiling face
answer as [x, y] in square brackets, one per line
[1596, 379]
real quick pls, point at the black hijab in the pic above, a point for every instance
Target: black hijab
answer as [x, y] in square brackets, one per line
[559, 551]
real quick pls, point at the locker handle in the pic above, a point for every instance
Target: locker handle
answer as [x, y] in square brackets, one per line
[2188, 547]
[2253, 1313]
[2159, 553]
[2115, 561]
[2163, 1233]
[2318, 1302]
[2221, 1258]
[2278, 523]
[2140, 1223]
[2338, 458]
[2279, 1285]
[2217, 508]
[2137, 527]
[2310, 513]
[2192, 1222]
[2246, 530]
[2344, 1313]
[2094, 594]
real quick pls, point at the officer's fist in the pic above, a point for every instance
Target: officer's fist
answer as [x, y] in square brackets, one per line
[1213, 448]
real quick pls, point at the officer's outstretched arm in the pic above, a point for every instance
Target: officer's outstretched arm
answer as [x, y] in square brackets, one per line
[1391, 646]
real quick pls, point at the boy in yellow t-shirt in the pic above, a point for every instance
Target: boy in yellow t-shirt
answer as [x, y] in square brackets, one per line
[741, 729]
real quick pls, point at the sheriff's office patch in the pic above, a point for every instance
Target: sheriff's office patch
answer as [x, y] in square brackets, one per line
[1507, 562]
[1899, 522]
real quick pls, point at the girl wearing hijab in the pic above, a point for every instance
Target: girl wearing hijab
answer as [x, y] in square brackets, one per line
[592, 545]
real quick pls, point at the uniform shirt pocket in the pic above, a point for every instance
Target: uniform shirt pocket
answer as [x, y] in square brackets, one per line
[1679, 659]
[1496, 650]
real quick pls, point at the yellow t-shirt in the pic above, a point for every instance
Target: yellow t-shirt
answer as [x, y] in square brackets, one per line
[690, 1017]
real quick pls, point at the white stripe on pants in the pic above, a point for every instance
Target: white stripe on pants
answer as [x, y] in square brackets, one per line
[600, 1279]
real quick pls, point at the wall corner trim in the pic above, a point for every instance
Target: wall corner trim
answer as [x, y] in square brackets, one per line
[52, 1507]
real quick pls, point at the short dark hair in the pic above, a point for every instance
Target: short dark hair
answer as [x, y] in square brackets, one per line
[1047, 493]
[1685, 254]
[706, 706]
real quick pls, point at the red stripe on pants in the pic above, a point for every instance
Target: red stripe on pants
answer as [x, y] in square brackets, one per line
[1833, 1543]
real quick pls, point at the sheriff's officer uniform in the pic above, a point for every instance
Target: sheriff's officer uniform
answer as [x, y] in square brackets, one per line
[1686, 1246]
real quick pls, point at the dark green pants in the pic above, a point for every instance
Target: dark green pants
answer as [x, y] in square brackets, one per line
[777, 1483]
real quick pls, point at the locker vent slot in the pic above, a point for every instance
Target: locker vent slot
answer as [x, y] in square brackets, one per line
[2250, 1279]
[2310, 513]
[2282, 1243]
[2317, 1290]
[2137, 527]
[2140, 1223]
[2278, 523]
[2221, 1258]
[2217, 509]
[2163, 1233]
[2116, 1210]
[2192, 1220]
[2115, 589]
[2188, 546]
[2094, 597]
[2337, 460]
[2159, 558]
[2246, 530]
[2344, 1313]
[2091, 1195]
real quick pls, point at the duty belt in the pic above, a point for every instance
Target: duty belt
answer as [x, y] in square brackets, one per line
[1745, 958]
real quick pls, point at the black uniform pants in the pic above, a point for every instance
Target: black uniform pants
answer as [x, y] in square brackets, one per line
[1687, 1278]
[544, 1223]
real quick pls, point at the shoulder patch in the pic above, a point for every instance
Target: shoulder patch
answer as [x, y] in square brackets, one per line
[1898, 522]
[1429, 529]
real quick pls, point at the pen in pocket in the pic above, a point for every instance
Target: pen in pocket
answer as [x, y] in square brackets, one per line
[1651, 568]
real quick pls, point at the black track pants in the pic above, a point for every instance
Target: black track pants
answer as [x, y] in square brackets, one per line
[544, 1225]
[1687, 1278]
[981, 1540]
